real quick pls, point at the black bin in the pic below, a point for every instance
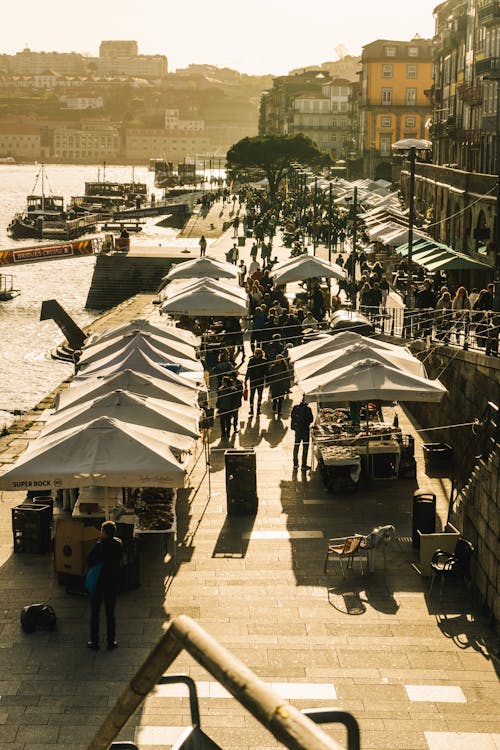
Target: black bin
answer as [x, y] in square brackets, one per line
[424, 515]
[241, 241]
[438, 459]
[241, 482]
[31, 528]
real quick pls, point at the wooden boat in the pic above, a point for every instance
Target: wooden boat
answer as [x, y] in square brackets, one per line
[104, 196]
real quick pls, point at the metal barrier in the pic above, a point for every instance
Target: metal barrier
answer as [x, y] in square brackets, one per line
[288, 725]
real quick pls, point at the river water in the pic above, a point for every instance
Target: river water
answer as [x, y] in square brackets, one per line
[27, 370]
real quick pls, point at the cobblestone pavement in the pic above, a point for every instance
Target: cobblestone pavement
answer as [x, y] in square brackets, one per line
[416, 672]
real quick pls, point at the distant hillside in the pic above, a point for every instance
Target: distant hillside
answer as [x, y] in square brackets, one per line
[346, 68]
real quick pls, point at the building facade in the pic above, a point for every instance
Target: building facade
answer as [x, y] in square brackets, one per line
[171, 145]
[393, 103]
[23, 141]
[86, 143]
[458, 191]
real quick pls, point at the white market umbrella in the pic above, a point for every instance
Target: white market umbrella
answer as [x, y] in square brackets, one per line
[135, 340]
[307, 267]
[170, 387]
[334, 360]
[205, 267]
[115, 359]
[130, 407]
[328, 343]
[144, 325]
[226, 286]
[140, 361]
[369, 380]
[102, 453]
[205, 301]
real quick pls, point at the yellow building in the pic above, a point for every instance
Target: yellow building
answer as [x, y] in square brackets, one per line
[394, 79]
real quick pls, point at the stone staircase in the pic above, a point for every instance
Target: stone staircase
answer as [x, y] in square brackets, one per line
[118, 277]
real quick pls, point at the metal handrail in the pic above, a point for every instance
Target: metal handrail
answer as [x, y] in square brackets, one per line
[288, 725]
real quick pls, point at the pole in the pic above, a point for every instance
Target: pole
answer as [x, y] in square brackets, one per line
[315, 215]
[411, 219]
[354, 223]
[330, 223]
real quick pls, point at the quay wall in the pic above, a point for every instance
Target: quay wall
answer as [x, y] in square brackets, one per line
[472, 380]
[118, 277]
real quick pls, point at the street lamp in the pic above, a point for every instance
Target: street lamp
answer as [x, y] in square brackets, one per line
[408, 147]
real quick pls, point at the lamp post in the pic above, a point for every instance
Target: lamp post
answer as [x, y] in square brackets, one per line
[409, 148]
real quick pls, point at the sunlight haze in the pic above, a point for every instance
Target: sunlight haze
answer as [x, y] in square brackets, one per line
[258, 37]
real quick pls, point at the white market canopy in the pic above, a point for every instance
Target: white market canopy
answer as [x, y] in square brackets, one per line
[138, 344]
[207, 298]
[205, 267]
[324, 363]
[102, 453]
[139, 410]
[307, 267]
[144, 325]
[369, 380]
[140, 361]
[134, 340]
[170, 387]
[328, 343]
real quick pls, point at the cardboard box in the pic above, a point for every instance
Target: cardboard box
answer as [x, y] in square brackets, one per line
[72, 543]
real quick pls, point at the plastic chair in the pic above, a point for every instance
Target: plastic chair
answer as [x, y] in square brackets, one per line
[344, 548]
[447, 564]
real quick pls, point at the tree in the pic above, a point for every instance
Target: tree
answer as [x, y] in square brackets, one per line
[274, 154]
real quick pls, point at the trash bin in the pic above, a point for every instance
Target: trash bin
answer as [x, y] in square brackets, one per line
[438, 459]
[424, 515]
[241, 482]
[241, 241]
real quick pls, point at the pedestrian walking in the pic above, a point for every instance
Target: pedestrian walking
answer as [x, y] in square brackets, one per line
[279, 383]
[203, 245]
[301, 420]
[237, 389]
[107, 553]
[224, 405]
[256, 375]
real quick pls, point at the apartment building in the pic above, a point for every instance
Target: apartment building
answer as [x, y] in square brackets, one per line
[86, 143]
[171, 145]
[21, 140]
[393, 103]
[459, 189]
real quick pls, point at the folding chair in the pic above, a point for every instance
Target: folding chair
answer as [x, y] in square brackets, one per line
[344, 548]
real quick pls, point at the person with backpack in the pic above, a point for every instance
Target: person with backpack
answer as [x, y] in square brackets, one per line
[106, 553]
[301, 420]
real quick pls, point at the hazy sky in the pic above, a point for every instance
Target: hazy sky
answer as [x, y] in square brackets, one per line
[252, 36]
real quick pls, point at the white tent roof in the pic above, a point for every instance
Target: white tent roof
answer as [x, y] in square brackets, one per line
[175, 389]
[307, 267]
[102, 453]
[133, 340]
[206, 299]
[142, 324]
[140, 361]
[399, 236]
[369, 380]
[139, 344]
[205, 267]
[130, 407]
[329, 343]
[226, 286]
[334, 360]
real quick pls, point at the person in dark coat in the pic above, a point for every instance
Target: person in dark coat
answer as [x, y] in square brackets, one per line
[256, 375]
[225, 401]
[108, 551]
[279, 383]
[301, 420]
[237, 389]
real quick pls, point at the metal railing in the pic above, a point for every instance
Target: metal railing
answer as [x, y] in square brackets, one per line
[286, 723]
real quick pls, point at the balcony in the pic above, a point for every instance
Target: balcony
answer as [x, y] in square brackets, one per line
[471, 95]
[489, 14]
[489, 68]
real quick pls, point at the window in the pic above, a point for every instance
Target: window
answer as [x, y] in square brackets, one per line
[385, 145]
[386, 122]
[390, 51]
[411, 122]
[411, 71]
[386, 96]
[411, 97]
[387, 70]
[412, 51]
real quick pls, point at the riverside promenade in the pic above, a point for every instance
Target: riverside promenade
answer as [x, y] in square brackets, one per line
[417, 673]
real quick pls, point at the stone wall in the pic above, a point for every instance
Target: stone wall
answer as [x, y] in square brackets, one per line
[472, 380]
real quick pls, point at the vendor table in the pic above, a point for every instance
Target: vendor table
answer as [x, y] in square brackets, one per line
[340, 466]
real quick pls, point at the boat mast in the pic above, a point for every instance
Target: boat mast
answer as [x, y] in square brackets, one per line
[43, 188]
[104, 171]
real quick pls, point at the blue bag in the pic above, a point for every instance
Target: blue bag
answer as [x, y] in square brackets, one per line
[92, 578]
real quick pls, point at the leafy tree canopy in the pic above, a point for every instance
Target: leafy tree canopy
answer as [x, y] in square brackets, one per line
[274, 154]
